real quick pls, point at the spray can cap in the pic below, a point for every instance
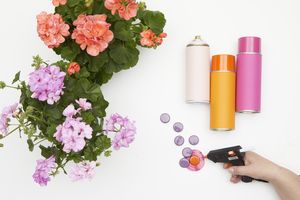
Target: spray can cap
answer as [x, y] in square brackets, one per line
[249, 44]
[223, 62]
[197, 42]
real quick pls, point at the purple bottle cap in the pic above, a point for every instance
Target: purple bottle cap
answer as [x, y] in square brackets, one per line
[249, 44]
[165, 118]
[178, 127]
[187, 152]
[184, 163]
[194, 140]
[179, 140]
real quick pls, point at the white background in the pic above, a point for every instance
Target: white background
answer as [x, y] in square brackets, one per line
[149, 168]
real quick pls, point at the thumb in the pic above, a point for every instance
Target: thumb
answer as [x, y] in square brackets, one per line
[239, 170]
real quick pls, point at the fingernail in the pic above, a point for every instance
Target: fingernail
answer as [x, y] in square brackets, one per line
[231, 170]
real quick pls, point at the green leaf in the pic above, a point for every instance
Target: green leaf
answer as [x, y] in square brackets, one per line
[68, 50]
[37, 61]
[62, 64]
[75, 157]
[83, 73]
[155, 20]
[53, 112]
[70, 84]
[30, 145]
[99, 108]
[122, 31]
[46, 152]
[124, 55]
[1, 145]
[89, 154]
[81, 86]
[73, 3]
[96, 62]
[17, 77]
[98, 7]
[94, 92]
[79, 9]
[87, 117]
[103, 77]
[107, 153]
[82, 59]
[67, 13]
[103, 142]
[50, 131]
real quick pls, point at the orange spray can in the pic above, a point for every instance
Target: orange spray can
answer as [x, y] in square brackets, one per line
[222, 93]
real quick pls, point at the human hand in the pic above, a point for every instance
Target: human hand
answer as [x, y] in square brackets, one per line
[255, 166]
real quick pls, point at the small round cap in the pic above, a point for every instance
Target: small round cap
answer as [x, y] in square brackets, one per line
[249, 44]
[179, 140]
[187, 152]
[223, 62]
[184, 163]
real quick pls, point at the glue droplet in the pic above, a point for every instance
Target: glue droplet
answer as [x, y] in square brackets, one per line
[178, 127]
[194, 160]
[193, 140]
[165, 118]
[197, 161]
[179, 140]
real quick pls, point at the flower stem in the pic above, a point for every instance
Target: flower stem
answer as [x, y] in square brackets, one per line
[11, 132]
[13, 87]
[38, 119]
[39, 142]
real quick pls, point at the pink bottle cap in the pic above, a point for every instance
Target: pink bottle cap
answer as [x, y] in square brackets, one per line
[249, 44]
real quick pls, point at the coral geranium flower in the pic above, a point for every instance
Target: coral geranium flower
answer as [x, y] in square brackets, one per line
[73, 68]
[52, 29]
[59, 2]
[92, 33]
[149, 39]
[127, 9]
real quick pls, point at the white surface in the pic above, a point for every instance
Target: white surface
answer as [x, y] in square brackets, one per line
[149, 169]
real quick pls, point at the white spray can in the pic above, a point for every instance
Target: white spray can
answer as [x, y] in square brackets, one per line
[197, 71]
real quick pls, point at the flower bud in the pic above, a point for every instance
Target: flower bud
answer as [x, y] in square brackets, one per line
[88, 3]
[2, 85]
[73, 68]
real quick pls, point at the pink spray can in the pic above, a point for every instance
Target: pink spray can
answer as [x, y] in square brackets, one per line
[249, 61]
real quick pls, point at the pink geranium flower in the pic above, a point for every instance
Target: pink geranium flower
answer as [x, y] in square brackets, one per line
[92, 33]
[59, 2]
[70, 111]
[73, 131]
[52, 29]
[123, 128]
[47, 83]
[127, 9]
[7, 113]
[43, 170]
[83, 104]
[82, 170]
[72, 134]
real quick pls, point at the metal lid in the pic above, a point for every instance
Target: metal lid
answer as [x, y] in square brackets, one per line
[197, 42]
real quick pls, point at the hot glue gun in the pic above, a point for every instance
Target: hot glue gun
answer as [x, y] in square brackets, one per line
[232, 155]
